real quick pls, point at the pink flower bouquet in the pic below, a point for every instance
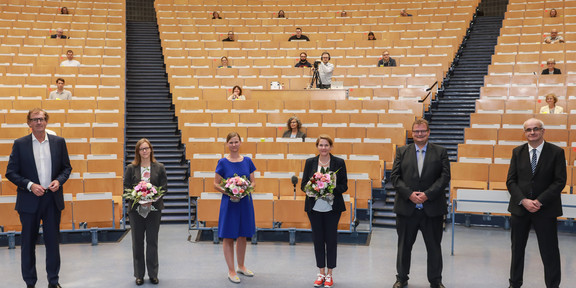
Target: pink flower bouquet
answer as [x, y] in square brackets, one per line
[236, 187]
[321, 185]
[143, 193]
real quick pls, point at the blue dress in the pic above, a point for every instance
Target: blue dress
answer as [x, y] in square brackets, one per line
[236, 218]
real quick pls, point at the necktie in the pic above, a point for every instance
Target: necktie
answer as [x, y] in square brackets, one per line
[420, 161]
[534, 160]
[420, 165]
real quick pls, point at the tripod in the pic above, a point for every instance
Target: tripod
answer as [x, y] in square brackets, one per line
[315, 79]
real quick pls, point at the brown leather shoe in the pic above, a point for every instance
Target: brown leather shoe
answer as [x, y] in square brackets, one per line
[399, 284]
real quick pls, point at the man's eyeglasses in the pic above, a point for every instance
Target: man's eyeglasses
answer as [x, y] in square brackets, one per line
[419, 131]
[535, 129]
[37, 119]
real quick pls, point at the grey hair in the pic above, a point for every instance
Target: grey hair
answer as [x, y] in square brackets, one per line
[539, 121]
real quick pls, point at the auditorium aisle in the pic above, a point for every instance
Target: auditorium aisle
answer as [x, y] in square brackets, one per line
[462, 88]
[482, 259]
[150, 114]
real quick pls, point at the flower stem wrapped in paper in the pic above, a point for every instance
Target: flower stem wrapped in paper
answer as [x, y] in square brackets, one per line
[143, 193]
[236, 187]
[321, 185]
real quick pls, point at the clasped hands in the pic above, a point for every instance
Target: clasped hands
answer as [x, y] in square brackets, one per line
[38, 190]
[418, 197]
[531, 205]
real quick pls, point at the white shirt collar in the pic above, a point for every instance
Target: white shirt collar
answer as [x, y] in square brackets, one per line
[539, 148]
[45, 137]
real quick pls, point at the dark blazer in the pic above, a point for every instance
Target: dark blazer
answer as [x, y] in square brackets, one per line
[434, 180]
[287, 134]
[22, 169]
[158, 178]
[545, 185]
[547, 72]
[56, 36]
[336, 163]
[391, 63]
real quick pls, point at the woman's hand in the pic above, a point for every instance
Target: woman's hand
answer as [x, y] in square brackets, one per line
[146, 205]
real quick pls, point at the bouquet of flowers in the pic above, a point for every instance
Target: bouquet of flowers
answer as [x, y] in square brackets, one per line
[236, 186]
[321, 185]
[143, 193]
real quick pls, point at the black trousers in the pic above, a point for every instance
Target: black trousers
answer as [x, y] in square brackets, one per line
[546, 229]
[325, 86]
[50, 216]
[145, 228]
[325, 237]
[407, 228]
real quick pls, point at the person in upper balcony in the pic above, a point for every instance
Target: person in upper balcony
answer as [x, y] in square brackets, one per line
[281, 14]
[403, 13]
[59, 34]
[224, 62]
[551, 108]
[216, 15]
[70, 62]
[236, 94]
[299, 36]
[293, 129]
[550, 69]
[64, 10]
[386, 60]
[303, 61]
[371, 36]
[553, 38]
[553, 13]
[230, 37]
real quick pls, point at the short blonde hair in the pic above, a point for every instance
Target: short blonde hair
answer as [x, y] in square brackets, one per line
[553, 96]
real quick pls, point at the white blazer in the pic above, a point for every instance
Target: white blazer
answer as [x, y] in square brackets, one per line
[546, 110]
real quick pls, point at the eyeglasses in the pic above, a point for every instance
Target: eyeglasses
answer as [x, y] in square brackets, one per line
[535, 129]
[144, 149]
[419, 131]
[37, 119]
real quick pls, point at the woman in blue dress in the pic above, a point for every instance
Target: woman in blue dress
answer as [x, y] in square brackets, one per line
[236, 220]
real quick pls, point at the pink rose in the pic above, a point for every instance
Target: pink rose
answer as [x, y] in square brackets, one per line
[321, 185]
[235, 191]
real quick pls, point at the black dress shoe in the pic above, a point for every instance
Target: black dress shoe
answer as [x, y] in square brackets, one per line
[399, 284]
[154, 280]
[439, 285]
[139, 281]
[53, 286]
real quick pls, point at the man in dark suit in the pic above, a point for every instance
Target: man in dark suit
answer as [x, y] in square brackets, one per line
[536, 177]
[59, 34]
[39, 165]
[420, 174]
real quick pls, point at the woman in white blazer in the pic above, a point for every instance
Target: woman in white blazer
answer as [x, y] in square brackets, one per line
[551, 108]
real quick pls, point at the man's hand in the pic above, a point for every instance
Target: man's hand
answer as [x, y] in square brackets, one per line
[531, 205]
[54, 186]
[418, 197]
[37, 189]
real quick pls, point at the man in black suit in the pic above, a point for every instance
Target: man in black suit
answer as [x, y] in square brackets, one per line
[420, 174]
[536, 177]
[59, 34]
[39, 165]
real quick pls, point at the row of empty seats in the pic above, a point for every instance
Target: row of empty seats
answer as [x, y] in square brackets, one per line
[513, 120]
[514, 94]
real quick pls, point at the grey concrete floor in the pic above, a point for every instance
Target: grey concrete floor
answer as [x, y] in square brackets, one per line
[481, 259]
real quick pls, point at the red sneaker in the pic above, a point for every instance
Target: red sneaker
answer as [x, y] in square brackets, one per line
[319, 280]
[328, 282]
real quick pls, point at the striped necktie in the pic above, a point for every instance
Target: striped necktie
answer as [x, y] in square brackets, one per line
[534, 160]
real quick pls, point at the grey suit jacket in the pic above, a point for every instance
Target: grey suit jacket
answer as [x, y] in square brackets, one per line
[158, 178]
[433, 181]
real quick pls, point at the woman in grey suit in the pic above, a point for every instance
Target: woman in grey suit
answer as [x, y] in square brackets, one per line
[293, 127]
[145, 218]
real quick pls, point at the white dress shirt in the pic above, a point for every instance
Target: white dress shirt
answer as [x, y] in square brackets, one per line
[325, 73]
[538, 152]
[70, 63]
[43, 160]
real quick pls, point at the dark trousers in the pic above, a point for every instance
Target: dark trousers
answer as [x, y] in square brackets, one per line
[50, 215]
[407, 228]
[145, 228]
[325, 86]
[325, 237]
[546, 229]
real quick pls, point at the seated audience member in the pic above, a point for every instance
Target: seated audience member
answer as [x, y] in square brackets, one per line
[298, 36]
[60, 93]
[554, 37]
[551, 108]
[230, 37]
[386, 61]
[293, 129]
[281, 14]
[236, 94]
[59, 34]
[64, 10]
[216, 15]
[403, 13]
[303, 61]
[70, 62]
[553, 13]
[224, 62]
[371, 36]
[551, 69]
[343, 14]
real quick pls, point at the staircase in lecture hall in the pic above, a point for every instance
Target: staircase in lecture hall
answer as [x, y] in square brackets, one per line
[150, 114]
